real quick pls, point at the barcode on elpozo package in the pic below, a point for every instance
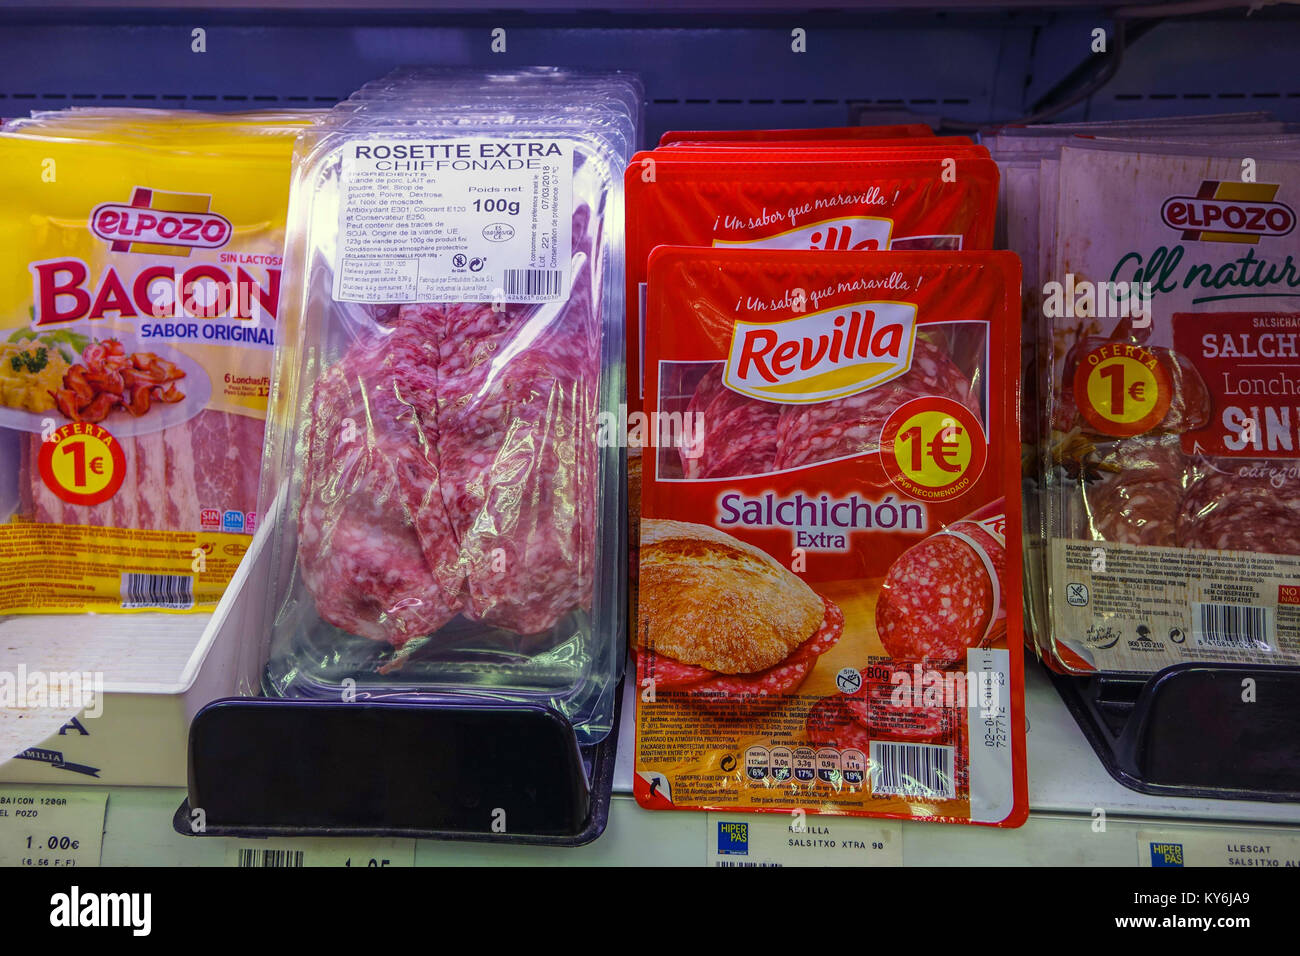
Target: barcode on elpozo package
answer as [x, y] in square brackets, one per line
[173, 591]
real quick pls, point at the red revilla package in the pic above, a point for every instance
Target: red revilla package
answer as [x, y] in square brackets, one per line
[830, 610]
[827, 200]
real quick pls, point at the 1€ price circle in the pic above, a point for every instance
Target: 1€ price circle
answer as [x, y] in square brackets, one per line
[82, 464]
[933, 448]
[1122, 389]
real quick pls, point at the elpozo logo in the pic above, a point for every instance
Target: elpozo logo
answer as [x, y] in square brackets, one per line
[1229, 212]
[832, 235]
[829, 354]
[160, 223]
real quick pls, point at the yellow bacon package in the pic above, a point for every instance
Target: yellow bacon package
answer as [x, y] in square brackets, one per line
[138, 303]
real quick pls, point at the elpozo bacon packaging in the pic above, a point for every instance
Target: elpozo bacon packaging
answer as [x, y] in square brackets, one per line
[830, 609]
[138, 302]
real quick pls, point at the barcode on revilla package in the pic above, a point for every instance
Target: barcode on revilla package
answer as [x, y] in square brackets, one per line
[912, 770]
[175, 591]
[1234, 626]
[534, 283]
[271, 858]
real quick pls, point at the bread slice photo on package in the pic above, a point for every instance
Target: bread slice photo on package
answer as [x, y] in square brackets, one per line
[830, 506]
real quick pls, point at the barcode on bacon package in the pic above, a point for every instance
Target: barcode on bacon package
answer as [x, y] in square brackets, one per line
[174, 591]
[829, 509]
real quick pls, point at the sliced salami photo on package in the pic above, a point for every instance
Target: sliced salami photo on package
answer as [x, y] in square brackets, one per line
[447, 520]
[1174, 444]
[830, 506]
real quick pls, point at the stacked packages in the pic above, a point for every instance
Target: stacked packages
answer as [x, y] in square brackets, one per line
[823, 358]
[138, 307]
[1162, 267]
[446, 518]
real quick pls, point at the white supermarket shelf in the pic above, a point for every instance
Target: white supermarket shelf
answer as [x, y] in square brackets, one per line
[139, 833]
[1067, 784]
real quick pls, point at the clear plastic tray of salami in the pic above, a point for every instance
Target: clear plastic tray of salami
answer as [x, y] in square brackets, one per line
[447, 524]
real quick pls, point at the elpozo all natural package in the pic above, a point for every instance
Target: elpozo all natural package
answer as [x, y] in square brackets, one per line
[138, 302]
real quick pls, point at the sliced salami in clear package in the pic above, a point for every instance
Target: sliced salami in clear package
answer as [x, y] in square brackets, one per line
[1031, 203]
[447, 520]
[1172, 436]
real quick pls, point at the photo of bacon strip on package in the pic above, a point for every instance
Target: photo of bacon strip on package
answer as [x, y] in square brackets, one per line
[830, 506]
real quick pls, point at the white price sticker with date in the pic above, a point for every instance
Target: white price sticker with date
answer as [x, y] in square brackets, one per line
[51, 828]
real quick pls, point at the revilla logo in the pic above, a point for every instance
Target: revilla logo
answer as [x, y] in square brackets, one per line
[825, 355]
